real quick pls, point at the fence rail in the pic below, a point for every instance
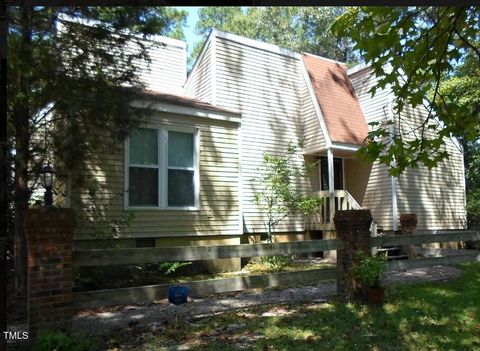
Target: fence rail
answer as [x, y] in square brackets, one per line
[447, 236]
[102, 257]
[141, 294]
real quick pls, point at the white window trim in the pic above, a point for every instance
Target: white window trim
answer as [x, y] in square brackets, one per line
[162, 144]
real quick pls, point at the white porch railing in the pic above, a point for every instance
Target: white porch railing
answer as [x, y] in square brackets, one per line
[323, 220]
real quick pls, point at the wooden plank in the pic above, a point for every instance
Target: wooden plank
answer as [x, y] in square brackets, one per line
[432, 261]
[143, 294]
[394, 240]
[101, 257]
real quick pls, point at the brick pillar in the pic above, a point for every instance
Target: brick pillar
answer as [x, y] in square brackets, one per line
[49, 234]
[353, 228]
[408, 221]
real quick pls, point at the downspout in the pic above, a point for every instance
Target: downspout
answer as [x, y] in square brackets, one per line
[392, 178]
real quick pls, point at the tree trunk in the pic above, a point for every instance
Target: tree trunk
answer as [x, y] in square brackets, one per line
[21, 199]
[21, 115]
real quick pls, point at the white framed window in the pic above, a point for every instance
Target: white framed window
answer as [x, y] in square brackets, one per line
[162, 168]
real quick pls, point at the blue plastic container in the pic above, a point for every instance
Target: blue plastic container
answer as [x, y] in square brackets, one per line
[178, 294]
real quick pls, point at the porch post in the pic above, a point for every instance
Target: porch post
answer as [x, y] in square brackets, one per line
[331, 184]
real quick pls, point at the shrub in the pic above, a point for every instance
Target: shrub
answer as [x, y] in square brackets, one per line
[370, 270]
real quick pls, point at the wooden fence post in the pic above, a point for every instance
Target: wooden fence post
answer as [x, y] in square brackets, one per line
[408, 221]
[49, 234]
[3, 292]
[353, 228]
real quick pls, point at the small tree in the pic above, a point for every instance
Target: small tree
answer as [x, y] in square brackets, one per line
[279, 197]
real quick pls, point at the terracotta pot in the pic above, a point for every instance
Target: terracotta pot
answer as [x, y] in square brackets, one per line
[409, 222]
[374, 295]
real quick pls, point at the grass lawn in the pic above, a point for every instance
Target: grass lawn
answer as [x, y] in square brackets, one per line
[429, 316]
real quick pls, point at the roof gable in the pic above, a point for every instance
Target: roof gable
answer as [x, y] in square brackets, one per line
[337, 100]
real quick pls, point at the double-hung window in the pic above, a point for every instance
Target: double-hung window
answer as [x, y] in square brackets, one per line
[163, 168]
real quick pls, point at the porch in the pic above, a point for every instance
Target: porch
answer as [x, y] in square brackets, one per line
[341, 180]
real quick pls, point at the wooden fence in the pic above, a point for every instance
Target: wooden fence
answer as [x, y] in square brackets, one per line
[141, 294]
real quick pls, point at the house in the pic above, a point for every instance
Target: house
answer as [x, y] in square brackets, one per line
[189, 173]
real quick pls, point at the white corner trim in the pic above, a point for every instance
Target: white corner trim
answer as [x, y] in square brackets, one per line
[392, 178]
[394, 203]
[316, 106]
[258, 44]
[464, 182]
[184, 69]
[190, 111]
[240, 181]
[199, 58]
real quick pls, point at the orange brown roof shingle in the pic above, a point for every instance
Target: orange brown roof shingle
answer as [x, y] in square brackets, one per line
[337, 100]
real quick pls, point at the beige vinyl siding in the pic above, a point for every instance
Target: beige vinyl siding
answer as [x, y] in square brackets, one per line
[267, 89]
[378, 191]
[310, 121]
[199, 84]
[437, 196]
[219, 169]
[167, 70]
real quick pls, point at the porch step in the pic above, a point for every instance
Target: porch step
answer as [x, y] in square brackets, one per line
[393, 253]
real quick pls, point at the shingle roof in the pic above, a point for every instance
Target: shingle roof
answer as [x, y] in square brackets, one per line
[186, 101]
[337, 99]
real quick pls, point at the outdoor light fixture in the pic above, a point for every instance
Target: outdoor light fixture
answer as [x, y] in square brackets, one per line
[47, 182]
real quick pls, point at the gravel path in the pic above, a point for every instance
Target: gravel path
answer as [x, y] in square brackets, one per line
[155, 315]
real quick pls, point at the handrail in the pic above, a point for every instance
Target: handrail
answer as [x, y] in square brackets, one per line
[342, 200]
[355, 205]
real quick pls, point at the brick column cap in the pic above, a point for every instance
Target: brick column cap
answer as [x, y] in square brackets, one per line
[353, 217]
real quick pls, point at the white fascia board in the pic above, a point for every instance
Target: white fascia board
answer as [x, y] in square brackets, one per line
[257, 44]
[200, 57]
[316, 106]
[189, 111]
[165, 40]
[345, 146]
[357, 68]
[153, 37]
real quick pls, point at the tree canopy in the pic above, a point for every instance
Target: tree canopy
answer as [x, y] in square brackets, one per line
[296, 28]
[427, 56]
[69, 87]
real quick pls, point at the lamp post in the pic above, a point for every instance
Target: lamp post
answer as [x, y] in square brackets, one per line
[47, 182]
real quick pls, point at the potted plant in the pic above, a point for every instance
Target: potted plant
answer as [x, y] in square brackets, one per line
[369, 273]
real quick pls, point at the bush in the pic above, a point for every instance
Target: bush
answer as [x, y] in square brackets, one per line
[370, 270]
[59, 341]
[117, 276]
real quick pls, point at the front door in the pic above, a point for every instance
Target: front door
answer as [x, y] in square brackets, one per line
[337, 173]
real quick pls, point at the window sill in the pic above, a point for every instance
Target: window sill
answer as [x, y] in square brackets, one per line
[146, 208]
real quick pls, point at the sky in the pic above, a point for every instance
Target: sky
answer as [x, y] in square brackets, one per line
[192, 19]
